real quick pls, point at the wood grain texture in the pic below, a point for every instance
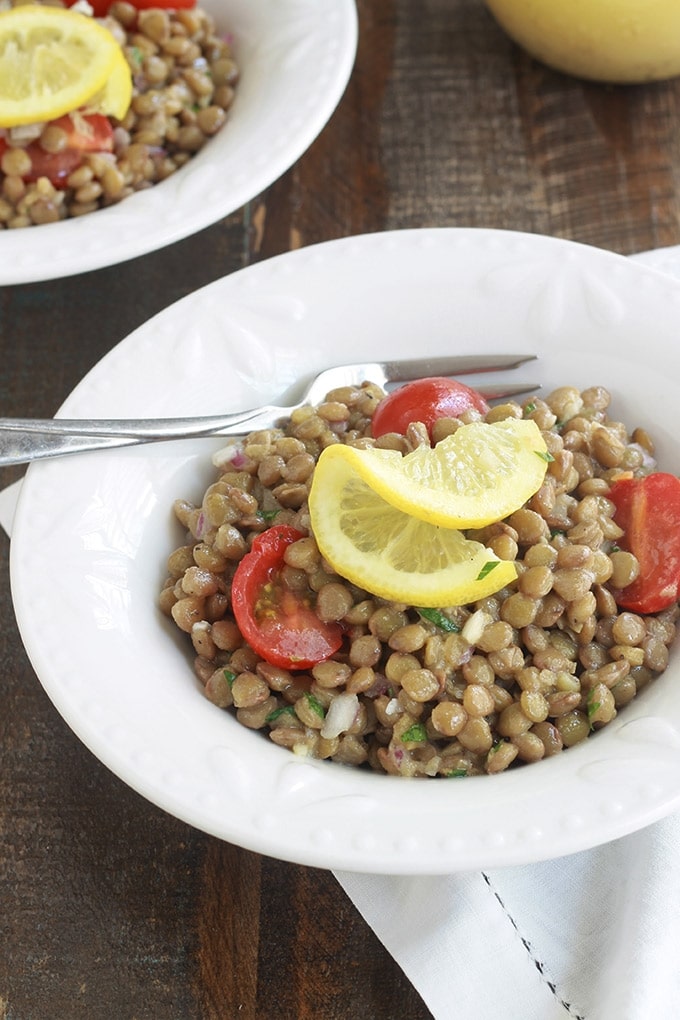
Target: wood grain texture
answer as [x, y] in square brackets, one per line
[109, 907]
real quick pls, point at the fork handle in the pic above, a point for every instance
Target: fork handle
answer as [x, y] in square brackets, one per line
[23, 440]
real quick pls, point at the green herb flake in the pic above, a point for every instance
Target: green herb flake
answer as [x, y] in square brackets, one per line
[286, 710]
[267, 515]
[229, 676]
[416, 734]
[592, 705]
[486, 569]
[557, 531]
[544, 455]
[529, 409]
[137, 55]
[316, 705]
[439, 619]
[456, 773]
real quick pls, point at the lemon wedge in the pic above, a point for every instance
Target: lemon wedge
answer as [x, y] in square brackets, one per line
[478, 475]
[392, 554]
[54, 61]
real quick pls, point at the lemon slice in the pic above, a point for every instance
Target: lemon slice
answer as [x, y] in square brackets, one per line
[52, 61]
[478, 475]
[392, 554]
[114, 99]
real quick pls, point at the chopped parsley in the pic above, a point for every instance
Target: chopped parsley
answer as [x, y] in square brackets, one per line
[267, 515]
[456, 773]
[544, 455]
[416, 734]
[592, 705]
[439, 619]
[287, 710]
[486, 569]
[529, 409]
[229, 676]
[316, 705]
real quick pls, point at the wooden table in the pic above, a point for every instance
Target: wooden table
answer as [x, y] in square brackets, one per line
[108, 907]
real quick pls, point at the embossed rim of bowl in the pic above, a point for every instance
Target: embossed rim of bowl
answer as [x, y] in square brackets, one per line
[296, 58]
[98, 526]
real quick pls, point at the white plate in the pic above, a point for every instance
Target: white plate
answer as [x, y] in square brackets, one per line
[295, 58]
[92, 533]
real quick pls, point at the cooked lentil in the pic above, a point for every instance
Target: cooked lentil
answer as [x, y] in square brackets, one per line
[514, 678]
[184, 79]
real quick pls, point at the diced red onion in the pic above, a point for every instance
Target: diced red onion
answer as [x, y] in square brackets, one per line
[378, 687]
[232, 454]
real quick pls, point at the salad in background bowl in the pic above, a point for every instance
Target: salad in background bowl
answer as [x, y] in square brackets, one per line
[292, 68]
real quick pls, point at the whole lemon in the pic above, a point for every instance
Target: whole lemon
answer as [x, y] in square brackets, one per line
[614, 41]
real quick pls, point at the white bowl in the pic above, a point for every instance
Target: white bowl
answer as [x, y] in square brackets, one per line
[92, 534]
[295, 60]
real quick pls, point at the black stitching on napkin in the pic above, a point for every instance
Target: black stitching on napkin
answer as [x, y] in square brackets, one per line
[537, 963]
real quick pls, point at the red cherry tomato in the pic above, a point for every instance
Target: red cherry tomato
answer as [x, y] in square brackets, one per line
[96, 135]
[279, 625]
[648, 510]
[424, 400]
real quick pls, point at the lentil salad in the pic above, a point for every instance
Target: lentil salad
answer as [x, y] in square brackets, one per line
[184, 79]
[508, 680]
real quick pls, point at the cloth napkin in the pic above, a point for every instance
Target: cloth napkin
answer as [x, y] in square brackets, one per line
[591, 936]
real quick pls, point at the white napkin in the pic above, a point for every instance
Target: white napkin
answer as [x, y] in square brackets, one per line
[591, 936]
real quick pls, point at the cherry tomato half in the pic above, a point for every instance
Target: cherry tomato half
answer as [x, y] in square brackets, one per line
[424, 400]
[648, 509]
[96, 135]
[279, 625]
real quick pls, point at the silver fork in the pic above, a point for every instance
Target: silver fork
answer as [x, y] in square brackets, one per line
[27, 439]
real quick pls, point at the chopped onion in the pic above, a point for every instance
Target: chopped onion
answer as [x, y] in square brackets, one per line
[200, 529]
[648, 461]
[392, 707]
[378, 687]
[475, 625]
[232, 454]
[340, 716]
[26, 132]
